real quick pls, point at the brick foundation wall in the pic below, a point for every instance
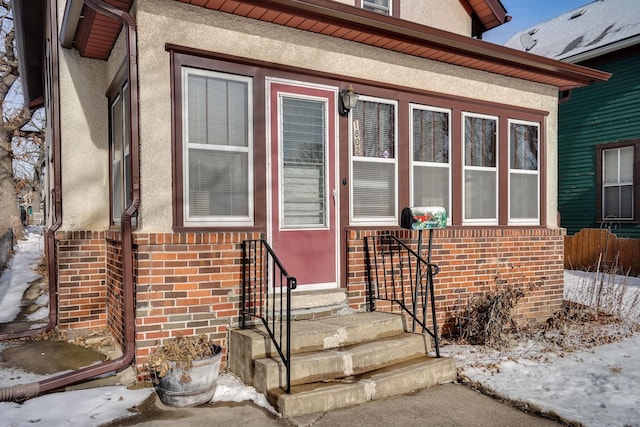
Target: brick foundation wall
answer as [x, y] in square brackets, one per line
[82, 278]
[115, 287]
[475, 260]
[187, 283]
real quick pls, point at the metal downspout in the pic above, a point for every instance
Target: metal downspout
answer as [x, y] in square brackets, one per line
[33, 389]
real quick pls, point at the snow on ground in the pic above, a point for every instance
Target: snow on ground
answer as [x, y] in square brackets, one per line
[596, 384]
[589, 374]
[20, 273]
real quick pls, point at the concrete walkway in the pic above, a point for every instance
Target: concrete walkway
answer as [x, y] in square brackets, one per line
[443, 405]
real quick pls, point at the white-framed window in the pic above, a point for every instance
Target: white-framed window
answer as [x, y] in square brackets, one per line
[480, 169]
[217, 150]
[374, 182]
[382, 7]
[120, 151]
[430, 142]
[524, 172]
[617, 183]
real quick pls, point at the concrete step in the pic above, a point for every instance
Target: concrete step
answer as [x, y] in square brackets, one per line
[248, 345]
[340, 362]
[402, 378]
[307, 305]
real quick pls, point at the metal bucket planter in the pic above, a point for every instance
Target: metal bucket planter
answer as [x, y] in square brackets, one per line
[193, 386]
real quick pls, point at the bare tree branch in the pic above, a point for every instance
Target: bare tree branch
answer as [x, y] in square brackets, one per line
[22, 154]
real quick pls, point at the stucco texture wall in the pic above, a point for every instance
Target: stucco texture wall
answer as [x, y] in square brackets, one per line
[445, 15]
[85, 136]
[85, 148]
[165, 21]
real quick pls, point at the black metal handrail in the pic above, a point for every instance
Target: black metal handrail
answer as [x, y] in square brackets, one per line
[266, 295]
[396, 273]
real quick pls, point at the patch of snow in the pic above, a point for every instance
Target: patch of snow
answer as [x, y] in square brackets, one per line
[20, 272]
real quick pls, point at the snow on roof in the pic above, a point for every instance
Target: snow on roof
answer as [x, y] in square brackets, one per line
[590, 28]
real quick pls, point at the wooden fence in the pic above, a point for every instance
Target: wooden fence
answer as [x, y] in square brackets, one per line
[583, 250]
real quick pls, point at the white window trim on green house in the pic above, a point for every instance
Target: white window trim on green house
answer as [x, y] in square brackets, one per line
[617, 183]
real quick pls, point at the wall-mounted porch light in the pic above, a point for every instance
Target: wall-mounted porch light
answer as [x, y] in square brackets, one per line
[348, 100]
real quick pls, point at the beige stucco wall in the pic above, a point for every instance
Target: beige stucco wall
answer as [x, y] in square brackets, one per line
[84, 157]
[84, 105]
[85, 136]
[446, 15]
[219, 32]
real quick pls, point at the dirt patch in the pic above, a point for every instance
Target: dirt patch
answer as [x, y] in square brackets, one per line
[49, 357]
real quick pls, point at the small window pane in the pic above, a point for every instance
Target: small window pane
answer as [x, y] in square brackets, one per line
[373, 189]
[611, 166]
[196, 109]
[618, 202]
[217, 183]
[480, 195]
[523, 147]
[480, 141]
[523, 199]
[430, 136]
[375, 124]
[626, 164]
[626, 201]
[217, 111]
[431, 186]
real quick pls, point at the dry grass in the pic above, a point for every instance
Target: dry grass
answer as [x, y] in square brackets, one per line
[179, 353]
[600, 311]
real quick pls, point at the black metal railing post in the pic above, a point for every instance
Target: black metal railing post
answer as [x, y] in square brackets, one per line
[264, 280]
[388, 253]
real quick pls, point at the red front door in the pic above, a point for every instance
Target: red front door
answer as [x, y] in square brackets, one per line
[303, 197]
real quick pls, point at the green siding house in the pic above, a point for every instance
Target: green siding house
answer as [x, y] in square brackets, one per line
[598, 125]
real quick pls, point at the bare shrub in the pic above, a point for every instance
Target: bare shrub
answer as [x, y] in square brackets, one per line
[488, 318]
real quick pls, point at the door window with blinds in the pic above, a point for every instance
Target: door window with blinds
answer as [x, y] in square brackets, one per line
[217, 117]
[431, 171]
[480, 171]
[303, 157]
[524, 176]
[374, 161]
